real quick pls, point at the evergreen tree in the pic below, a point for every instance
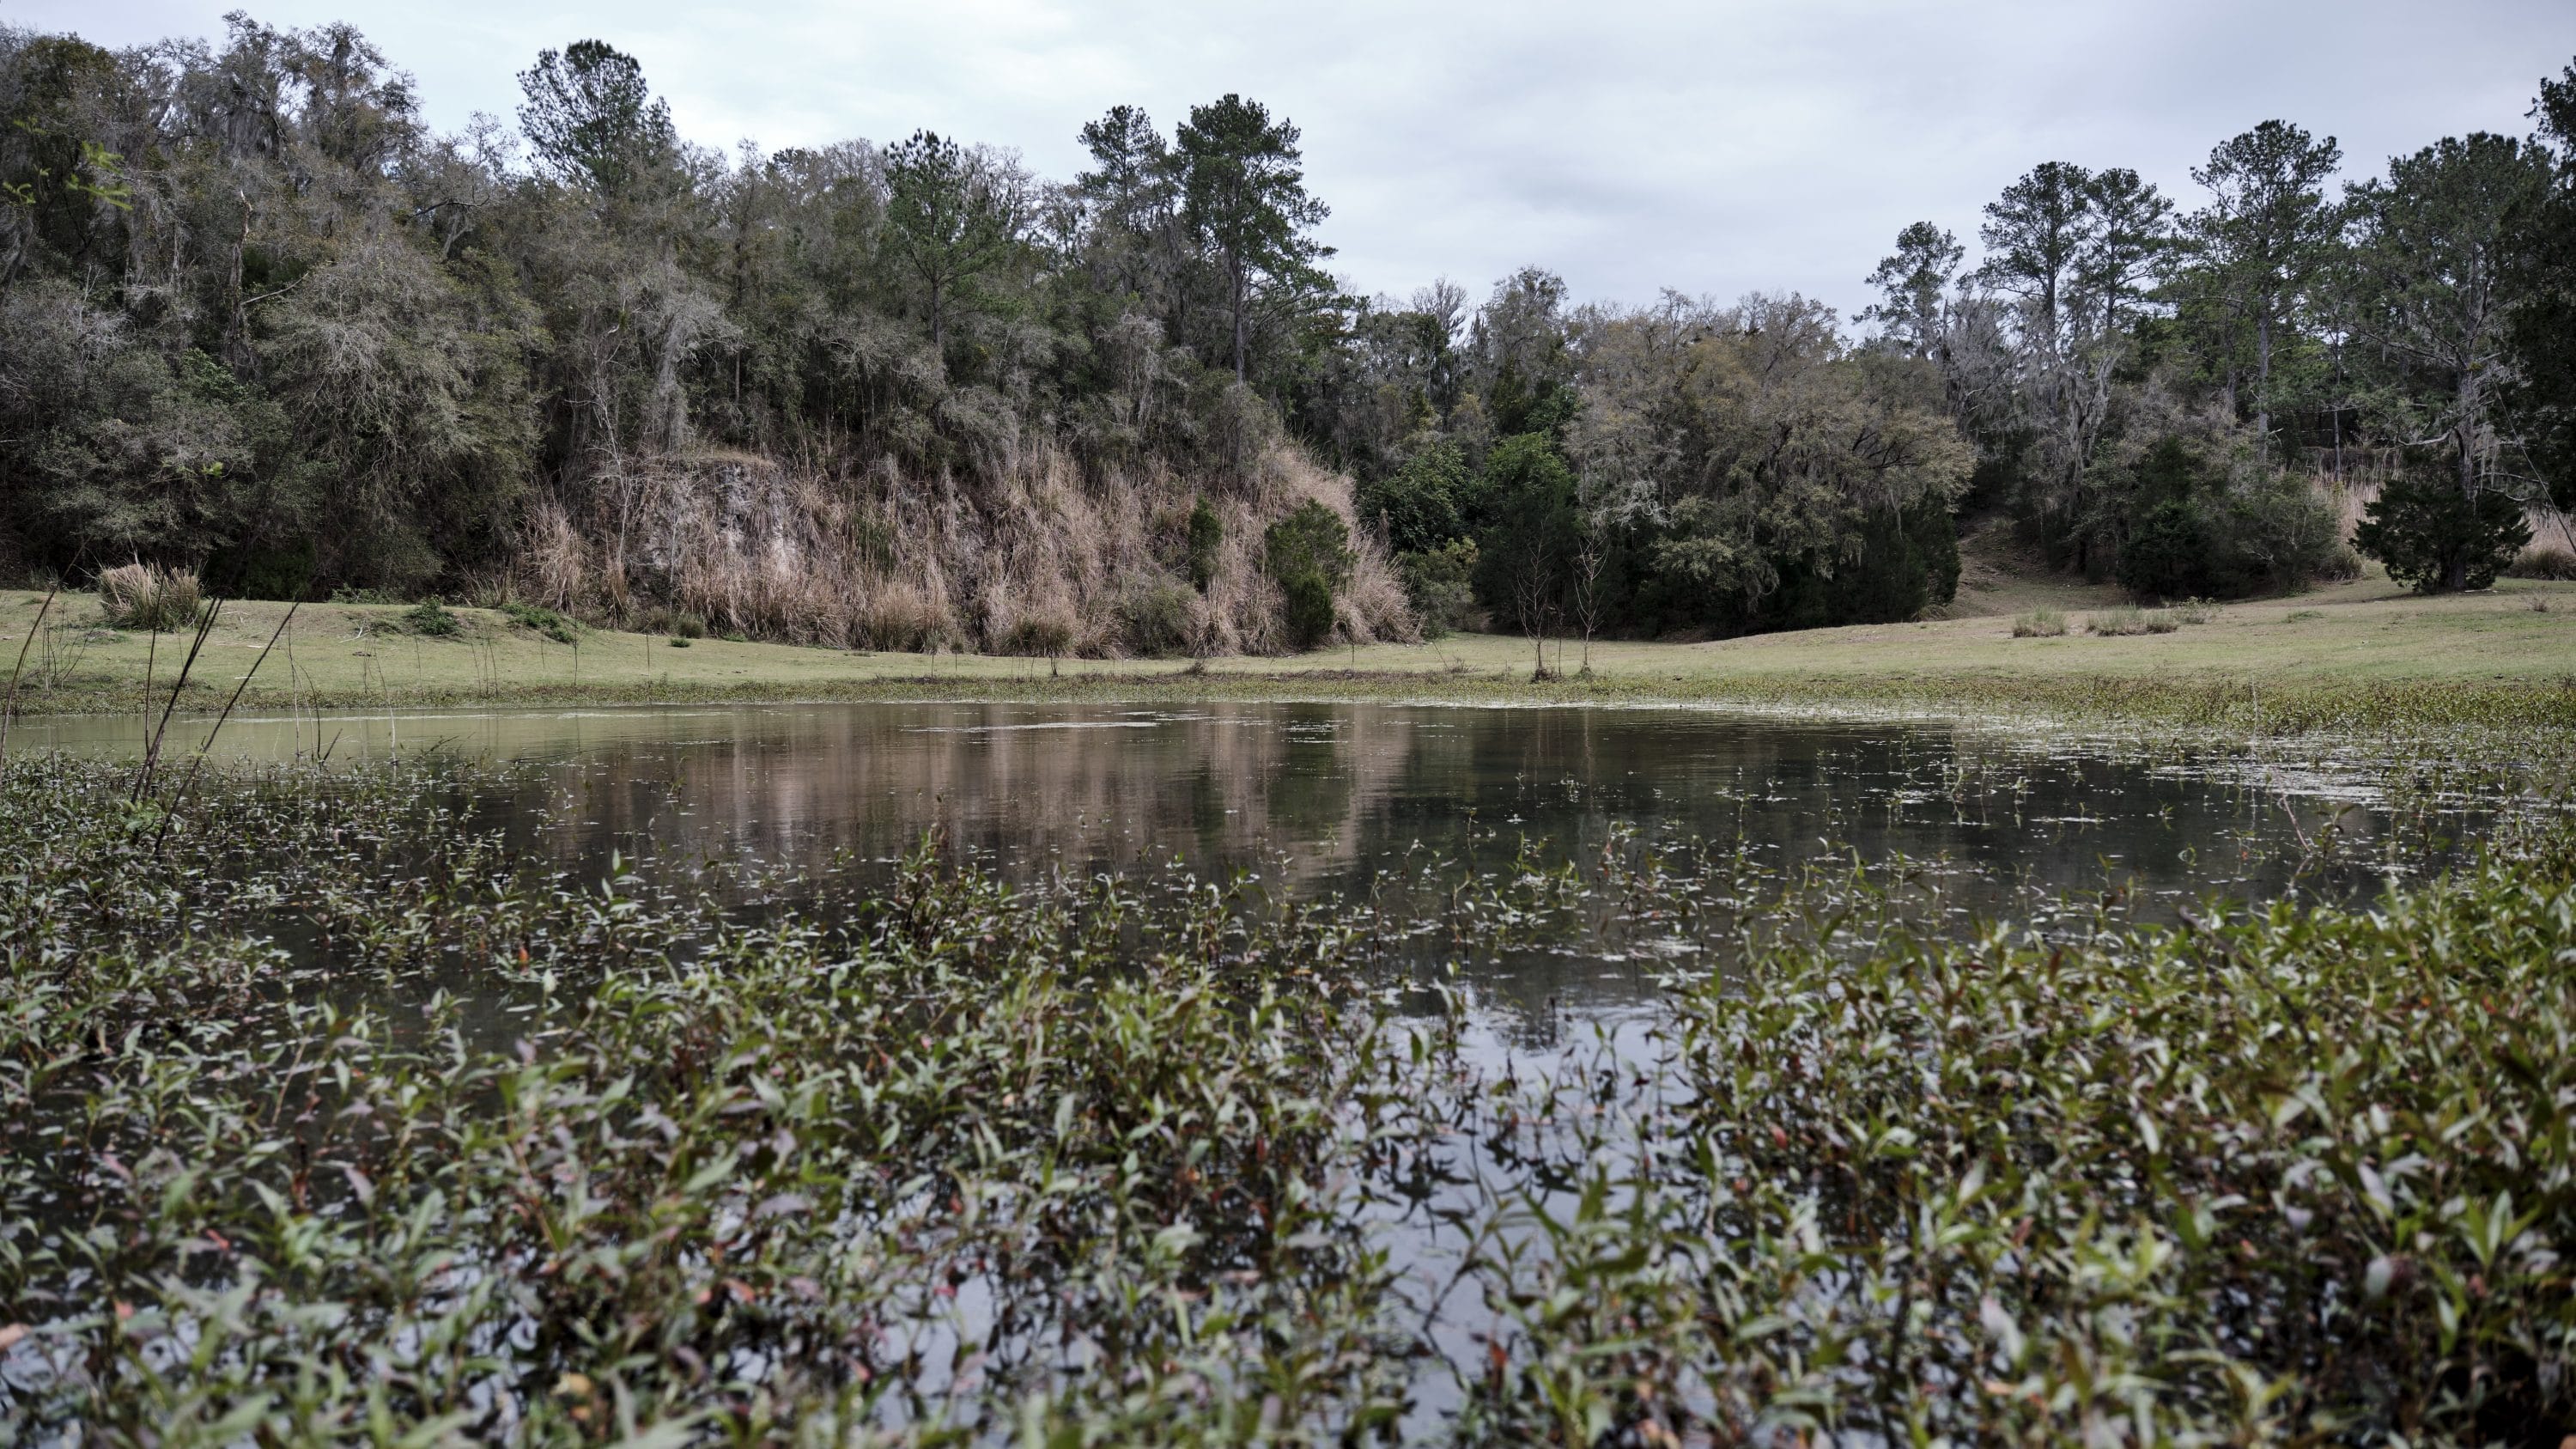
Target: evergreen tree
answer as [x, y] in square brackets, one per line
[1911, 283]
[590, 117]
[951, 215]
[2258, 246]
[2542, 328]
[1245, 197]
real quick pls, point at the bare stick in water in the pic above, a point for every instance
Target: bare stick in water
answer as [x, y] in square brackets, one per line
[152, 748]
[194, 765]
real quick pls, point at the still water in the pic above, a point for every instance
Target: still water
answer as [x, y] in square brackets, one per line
[1353, 801]
[1329, 798]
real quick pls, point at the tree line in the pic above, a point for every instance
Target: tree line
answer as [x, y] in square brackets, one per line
[257, 318]
[2166, 392]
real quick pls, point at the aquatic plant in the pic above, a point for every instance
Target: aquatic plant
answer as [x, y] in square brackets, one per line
[321, 1110]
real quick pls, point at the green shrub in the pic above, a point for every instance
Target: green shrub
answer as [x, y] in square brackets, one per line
[1439, 584]
[681, 641]
[1308, 553]
[1311, 540]
[2434, 538]
[269, 571]
[1908, 562]
[1154, 619]
[432, 618]
[1207, 536]
[1419, 506]
[688, 626]
[2039, 624]
[1309, 613]
[561, 628]
[2191, 532]
[2169, 552]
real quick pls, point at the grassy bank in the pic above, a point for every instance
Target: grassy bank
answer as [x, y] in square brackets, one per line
[2357, 655]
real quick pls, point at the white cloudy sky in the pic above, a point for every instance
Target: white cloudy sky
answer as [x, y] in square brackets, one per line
[1630, 145]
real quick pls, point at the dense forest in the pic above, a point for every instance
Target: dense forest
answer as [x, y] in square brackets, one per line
[258, 321]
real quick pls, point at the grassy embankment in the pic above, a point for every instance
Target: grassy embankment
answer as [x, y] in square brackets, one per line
[2354, 654]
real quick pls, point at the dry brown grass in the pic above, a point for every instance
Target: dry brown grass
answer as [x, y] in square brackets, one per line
[1043, 560]
[148, 596]
[2544, 561]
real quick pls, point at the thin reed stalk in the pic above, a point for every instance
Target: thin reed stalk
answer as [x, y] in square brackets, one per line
[9, 705]
[152, 747]
[198, 763]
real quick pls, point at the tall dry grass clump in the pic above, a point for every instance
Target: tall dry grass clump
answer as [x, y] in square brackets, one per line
[1045, 557]
[2543, 561]
[147, 596]
[2120, 622]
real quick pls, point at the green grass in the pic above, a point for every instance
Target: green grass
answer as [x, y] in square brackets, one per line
[2355, 656]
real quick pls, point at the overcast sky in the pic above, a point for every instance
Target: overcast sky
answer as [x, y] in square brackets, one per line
[1712, 148]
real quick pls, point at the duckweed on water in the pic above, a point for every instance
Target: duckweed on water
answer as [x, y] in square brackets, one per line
[321, 1119]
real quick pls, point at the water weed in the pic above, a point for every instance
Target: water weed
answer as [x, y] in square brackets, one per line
[322, 1107]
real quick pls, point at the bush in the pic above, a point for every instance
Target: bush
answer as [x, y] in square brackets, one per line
[2190, 532]
[2114, 622]
[1154, 618]
[1049, 635]
[1437, 582]
[1908, 562]
[1420, 506]
[561, 628]
[681, 641]
[1310, 609]
[1308, 553]
[2435, 539]
[2542, 561]
[1207, 535]
[1311, 540]
[2168, 552]
[432, 618]
[2039, 624]
[148, 596]
[688, 626]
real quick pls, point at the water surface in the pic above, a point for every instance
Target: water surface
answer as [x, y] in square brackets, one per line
[1330, 798]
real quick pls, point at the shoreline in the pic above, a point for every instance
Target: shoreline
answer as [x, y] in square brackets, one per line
[2355, 659]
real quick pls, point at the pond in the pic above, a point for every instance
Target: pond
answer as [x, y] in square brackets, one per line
[1339, 799]
[1382, 1049]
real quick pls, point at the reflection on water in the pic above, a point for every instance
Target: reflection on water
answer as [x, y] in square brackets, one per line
[1334, 794]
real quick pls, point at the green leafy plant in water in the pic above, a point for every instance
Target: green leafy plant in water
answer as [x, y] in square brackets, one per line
[559, 1146]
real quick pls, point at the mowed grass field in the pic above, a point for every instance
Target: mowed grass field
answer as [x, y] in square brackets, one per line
[2350, 653]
